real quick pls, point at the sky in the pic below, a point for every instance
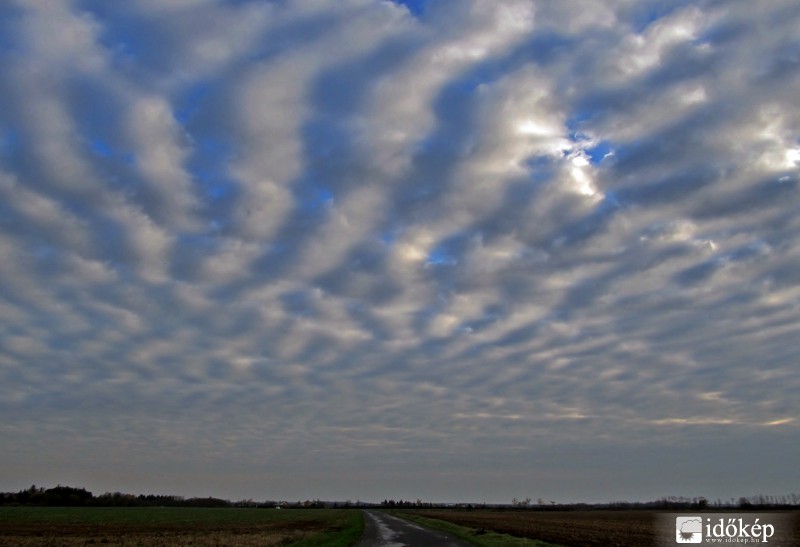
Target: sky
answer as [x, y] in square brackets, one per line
[450, 250]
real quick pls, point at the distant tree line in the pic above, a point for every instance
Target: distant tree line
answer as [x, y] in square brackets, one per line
[669, 503]
[407, 504]
[788, 501]
[60, 495]
[67, 496]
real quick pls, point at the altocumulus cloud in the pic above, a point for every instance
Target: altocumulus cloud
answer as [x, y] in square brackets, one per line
[447, 249]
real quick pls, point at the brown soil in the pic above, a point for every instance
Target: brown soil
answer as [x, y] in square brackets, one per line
[571, 528]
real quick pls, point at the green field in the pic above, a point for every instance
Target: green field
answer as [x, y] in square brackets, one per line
[156, 526]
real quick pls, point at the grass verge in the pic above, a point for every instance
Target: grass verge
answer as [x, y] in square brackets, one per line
[480, 537]
[346, 531]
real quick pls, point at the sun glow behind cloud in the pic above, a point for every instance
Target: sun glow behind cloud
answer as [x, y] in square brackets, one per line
[453, 237]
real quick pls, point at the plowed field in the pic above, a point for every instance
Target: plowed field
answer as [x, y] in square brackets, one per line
[571, 528]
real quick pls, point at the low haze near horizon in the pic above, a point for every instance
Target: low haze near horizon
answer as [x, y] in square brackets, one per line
[452, 250]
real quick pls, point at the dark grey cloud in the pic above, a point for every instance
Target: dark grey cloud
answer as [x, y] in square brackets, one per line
[363, 249]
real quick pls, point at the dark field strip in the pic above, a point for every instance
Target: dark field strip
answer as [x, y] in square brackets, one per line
[154, 526]
[570, 528]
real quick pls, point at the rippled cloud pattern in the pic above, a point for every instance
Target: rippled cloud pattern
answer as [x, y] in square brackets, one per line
[456, 250]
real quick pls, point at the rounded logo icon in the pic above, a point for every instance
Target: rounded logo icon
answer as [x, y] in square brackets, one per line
[688, 530]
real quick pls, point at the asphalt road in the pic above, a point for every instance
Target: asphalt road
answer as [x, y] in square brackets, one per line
[382, 530]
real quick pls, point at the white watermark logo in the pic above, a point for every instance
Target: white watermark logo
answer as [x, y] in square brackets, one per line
[774, 529]
[689, 529]
[725, 528]
[740, 529]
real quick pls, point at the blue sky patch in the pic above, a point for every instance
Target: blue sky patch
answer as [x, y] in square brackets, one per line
[101, 148]
[599, 152]
[417, 7]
